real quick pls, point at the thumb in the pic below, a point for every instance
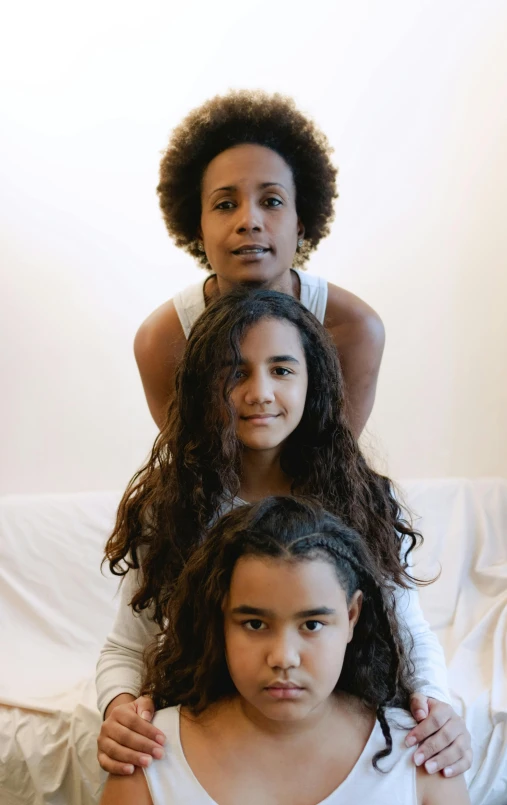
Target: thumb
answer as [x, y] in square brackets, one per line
[145, 708]
[419, 706]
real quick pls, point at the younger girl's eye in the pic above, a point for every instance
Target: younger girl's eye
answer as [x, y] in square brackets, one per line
[281, 371]
[254, 625]
[313, 626]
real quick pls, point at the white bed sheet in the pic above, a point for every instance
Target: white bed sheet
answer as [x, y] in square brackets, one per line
[56, 608]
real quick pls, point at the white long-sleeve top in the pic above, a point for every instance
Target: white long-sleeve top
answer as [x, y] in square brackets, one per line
[120, 666]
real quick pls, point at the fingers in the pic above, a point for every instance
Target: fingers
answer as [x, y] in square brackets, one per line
[145, 707]
[113, 767]
[439, 715]
[130, 740]
[118, 753]
[450, 733]
[419, 706]
[455, 769]
[134, 722]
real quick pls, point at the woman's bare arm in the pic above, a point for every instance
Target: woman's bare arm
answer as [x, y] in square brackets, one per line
[132, 790]
[359, 336]
[158, 348]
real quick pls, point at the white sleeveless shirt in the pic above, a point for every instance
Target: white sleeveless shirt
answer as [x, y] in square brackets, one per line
[171, 780]
[189, 303]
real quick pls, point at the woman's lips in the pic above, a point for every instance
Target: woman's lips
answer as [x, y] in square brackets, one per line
[260, 419]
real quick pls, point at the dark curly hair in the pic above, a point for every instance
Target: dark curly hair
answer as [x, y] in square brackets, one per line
[195, 465]
[246, 116]
[188, 666]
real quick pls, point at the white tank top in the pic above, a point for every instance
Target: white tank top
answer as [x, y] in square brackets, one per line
[172, 780]
[189, 303]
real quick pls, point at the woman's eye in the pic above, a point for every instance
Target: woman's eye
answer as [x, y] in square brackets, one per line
[224, 205]
[254, 625]
[313, 626]
[273, 202]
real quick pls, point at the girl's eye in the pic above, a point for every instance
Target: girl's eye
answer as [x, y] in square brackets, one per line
[273, 202]
[238, 374]
[254, 625]
[281, 371]
[313, 626]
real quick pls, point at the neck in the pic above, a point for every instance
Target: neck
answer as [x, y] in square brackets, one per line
[314, 723]
[287, 282]
[262, 476]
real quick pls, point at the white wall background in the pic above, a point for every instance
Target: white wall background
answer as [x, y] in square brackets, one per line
[413, 97]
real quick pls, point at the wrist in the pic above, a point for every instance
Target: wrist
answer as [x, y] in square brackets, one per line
[122, 698]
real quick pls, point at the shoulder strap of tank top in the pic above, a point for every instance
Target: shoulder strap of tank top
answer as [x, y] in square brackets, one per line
[313, 294]
[189, 305]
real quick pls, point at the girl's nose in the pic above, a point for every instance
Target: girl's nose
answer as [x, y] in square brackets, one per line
[259, 390]
[283, 654]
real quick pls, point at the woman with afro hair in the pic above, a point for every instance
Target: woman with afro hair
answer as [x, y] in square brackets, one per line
[247, 188]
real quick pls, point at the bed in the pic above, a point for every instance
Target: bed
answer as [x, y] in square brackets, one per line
[56, 608]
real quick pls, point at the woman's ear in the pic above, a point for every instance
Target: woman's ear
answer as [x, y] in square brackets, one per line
[355, 604]
[301, 230]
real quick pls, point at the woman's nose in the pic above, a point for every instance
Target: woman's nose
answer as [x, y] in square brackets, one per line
[249, 218]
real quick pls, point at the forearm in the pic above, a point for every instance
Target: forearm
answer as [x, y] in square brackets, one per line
[121, 663]
[426, 653]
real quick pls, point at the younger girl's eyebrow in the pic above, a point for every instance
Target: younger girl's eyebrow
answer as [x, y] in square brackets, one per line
[268, 613]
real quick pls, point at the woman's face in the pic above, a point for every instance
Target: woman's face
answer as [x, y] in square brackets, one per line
[287, 626]
[249, 223]
[269, 394]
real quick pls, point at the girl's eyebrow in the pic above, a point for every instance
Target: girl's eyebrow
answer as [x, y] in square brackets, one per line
[273, 359]
[268, 613]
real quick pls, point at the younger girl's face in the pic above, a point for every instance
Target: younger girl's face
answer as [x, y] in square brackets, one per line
[269, 394]
[287, 626]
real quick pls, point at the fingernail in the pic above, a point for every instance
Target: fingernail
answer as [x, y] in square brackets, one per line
[420, 714]
[411, 741]
[158, 753]
[128, 769]
[160, 739]
[448, 771]
[146, 715]
[146, 760]
[419, 758]
[431, 766]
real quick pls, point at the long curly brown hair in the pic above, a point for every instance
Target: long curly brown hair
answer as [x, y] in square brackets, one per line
[246, 116]
[194, 468]
[188, 666]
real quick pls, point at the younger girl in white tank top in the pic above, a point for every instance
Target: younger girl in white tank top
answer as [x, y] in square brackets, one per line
[281, 677]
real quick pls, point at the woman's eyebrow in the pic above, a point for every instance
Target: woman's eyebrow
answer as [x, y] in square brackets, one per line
[231, 188]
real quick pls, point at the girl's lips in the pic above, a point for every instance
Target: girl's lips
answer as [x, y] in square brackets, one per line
[261, 419]
[284, 693]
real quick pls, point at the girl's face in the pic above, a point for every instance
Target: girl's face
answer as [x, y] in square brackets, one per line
[272, 380]
[287, 625]
[249, 223]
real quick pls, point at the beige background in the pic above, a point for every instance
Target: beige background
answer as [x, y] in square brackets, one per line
[413, 97]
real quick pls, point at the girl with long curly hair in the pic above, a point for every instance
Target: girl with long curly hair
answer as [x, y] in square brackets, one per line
[258, 410]
[281, 673]
[247, 188]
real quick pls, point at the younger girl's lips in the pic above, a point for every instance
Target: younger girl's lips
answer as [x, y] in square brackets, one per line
[284, 693]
